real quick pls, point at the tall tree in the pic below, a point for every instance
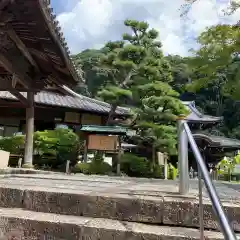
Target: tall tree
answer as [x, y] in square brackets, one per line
[124, 63]
[136, 69]
[217, 59]
[157, 114]
[233, 6]
[181, 72]
[135, 60]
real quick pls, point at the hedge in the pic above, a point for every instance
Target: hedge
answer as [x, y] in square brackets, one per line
[52, 148]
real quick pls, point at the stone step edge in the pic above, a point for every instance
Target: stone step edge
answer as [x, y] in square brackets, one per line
[26, 224]
[25, 171]
[165, 211]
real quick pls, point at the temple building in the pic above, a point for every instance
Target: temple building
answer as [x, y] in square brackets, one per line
[33, 56]
[53, 108]
[37, 74]
[212, 147]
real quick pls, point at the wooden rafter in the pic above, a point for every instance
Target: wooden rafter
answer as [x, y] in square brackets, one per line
[55, 73]
[10, 85]
[5, 18]
[14, 80]
[8, 65]
[20, 45]
[7, 84]
[4, 3]
[44, 56]
[20, 97]
[27, 25]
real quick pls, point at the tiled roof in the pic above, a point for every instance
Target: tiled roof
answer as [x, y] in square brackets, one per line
[58, 100]
[196, 116]
[218, 141]
[52, 23]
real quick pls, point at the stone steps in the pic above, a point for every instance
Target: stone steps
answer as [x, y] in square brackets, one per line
[24, 224]
[159, 210]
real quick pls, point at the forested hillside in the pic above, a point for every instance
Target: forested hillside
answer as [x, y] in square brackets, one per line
[134, 72]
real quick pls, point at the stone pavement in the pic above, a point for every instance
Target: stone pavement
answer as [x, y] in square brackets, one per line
[115, 185]
[119, 206]
[19, 224]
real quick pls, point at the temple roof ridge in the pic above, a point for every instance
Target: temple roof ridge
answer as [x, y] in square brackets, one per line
[198, 117]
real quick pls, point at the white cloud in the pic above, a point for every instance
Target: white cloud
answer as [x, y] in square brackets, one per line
[85, 21]
[93, 22]
[206, 13]
[173, 44]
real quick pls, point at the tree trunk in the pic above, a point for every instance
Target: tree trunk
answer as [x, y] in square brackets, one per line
[111, 114]
[114, 106]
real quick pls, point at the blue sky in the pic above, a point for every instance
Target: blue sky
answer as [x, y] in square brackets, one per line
[91, 23]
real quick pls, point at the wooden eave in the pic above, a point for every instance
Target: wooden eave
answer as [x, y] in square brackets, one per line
[32, 45]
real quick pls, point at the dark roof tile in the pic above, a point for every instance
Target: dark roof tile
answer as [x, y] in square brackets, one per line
[196, 116]
[81, 103]
[218, 141]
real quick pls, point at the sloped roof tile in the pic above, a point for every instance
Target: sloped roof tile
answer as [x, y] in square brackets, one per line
[58, 100]
[196, 116]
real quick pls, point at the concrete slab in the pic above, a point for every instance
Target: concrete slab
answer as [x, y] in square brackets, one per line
[126, 199]
[21, 224]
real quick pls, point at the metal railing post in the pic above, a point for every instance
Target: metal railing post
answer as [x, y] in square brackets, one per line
[216, 203]
[183, 158]
[200, 196]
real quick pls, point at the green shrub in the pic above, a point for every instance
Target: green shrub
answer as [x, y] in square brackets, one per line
[135, 166]
[51, 148]
[55, 147]
[158, 172]
[14, 145]
[101, 168]
[172, 172]
[81, 168]
[98, 156]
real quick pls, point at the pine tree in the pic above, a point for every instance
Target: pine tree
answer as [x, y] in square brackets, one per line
[138, 73]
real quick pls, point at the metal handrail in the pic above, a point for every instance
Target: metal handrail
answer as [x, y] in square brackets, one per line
[216, 203]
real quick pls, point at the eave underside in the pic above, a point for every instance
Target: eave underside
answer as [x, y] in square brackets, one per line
[33, 53]
[216, 144]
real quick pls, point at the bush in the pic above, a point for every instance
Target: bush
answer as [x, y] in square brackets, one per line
[52, 148]
[101, 168]
[55, 147]
[14, 145]
[94, 167]
[158, 172]
[135, 166]
[172, 172]
[81, 168]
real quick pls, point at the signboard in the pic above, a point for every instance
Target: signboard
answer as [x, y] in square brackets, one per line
[103, 143]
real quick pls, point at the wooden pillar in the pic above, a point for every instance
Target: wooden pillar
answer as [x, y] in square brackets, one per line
[28, 153]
